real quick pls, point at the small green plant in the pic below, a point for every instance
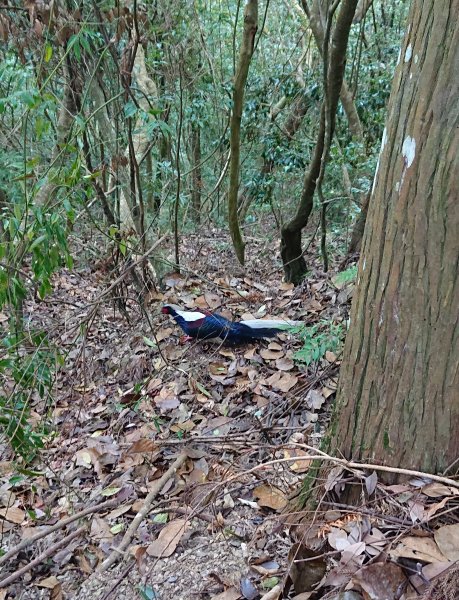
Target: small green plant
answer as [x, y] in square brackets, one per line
[317, 340]
[344, 277]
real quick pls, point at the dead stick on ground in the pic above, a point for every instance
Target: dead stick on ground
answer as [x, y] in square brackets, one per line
[140, 516]
[340, 461]
[59, 525]
[43, 556]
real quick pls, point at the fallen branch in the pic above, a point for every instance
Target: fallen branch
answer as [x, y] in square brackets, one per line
[43, 556]
[345, 463]
[140, 516]
[59, 525]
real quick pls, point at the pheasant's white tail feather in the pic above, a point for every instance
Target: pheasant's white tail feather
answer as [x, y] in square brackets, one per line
[274, 323]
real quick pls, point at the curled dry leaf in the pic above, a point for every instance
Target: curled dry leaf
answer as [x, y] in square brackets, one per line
[371, 482]
[284, 364]
[268, 354]
[282, 381]
[168, 539]
[270, 496]
[314, 399]
[301, 465]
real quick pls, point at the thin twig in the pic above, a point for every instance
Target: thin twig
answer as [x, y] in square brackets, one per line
[59, 525]
[42, 557]
[346, 464]
[140, 516]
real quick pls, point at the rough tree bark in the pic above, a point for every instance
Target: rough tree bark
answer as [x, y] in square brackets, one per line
[291, 251]
[245, 56]
[398, 394]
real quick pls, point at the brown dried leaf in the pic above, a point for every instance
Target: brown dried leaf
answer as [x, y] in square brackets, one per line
[250, 353]
[13, 514]
[419, 548]
[302, 464]
[49, 583]
[434, 508]
[270, 496]
[213, 301]
[284, 364]
[168, 539]
[230, 594]
[379, 580]
[268, 354]
[167, 398]
[100, 530]
[283, 382]
[218, 368]
[144, 445]
[447, 538]
[436, 490]
[163, 334]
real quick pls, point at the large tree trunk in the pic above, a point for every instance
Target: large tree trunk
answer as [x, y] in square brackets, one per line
[398, 395]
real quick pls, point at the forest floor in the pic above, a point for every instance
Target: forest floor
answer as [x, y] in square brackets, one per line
[132, 400]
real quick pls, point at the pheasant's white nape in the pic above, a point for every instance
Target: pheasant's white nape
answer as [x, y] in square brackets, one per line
[190, 316]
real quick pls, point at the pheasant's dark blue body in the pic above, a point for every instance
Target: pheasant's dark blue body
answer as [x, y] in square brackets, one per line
[205, 325]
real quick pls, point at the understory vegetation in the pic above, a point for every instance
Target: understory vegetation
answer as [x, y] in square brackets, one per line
[218, 156]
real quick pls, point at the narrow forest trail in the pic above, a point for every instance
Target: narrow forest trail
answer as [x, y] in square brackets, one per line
[131, 398]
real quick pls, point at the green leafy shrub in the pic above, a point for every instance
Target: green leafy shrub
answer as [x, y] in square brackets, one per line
[317, 340]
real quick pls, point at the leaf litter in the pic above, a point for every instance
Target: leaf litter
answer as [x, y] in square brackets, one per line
[131, 396]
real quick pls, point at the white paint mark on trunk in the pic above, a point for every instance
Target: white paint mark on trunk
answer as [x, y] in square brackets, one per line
[409, 151]
[408, 53]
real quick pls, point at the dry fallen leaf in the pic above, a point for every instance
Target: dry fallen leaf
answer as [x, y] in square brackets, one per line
[420, 548]
[270, 496]
[100, 530]
[49, 583]
[314, 399]
[447, 538]
[379, 580]
[143, 446]
[282, 381]
[302, 464]
[268, 354]
[273, 594]
[230, 594]
[168, 539]
[284, 364]
[13, 514]
[436, 490]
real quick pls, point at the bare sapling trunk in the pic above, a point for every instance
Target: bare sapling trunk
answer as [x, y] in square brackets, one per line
[245, 56]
